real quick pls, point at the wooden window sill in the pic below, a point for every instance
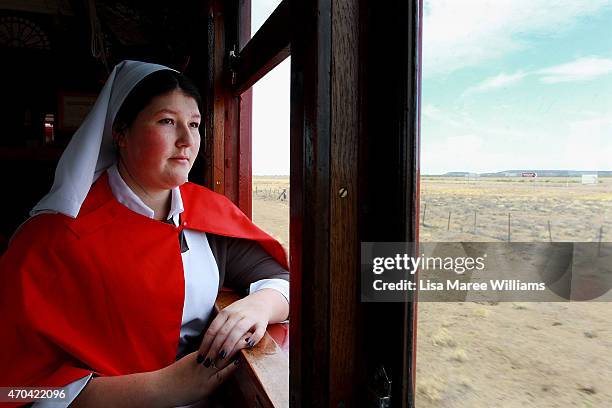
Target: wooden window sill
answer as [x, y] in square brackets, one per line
[263, 375]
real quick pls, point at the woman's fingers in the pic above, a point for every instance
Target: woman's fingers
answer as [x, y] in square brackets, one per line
[260, 330]
[215, 329]
[226, 331]
[226, 349]
[247, 340]
[239, 344]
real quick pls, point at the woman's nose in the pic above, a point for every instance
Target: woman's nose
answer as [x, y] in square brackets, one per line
[185, 136]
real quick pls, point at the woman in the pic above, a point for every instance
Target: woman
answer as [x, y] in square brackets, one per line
[108, 289]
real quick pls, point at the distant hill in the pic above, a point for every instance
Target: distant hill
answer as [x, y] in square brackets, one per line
[540, 173]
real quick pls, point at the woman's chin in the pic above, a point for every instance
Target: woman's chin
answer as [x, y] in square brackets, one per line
[176, 180]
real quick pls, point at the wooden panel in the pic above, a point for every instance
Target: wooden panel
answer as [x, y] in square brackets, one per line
[344, 239]
[231, 142]
[310, 202]
[354, 136]
[215, 114]
[390, 99]
[263, 375]
[245, 155]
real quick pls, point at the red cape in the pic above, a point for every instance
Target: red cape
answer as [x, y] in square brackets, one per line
[102, 292]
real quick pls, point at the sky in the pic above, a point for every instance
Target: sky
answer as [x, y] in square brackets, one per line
[270, 107]
[506, 84]
[516, 84]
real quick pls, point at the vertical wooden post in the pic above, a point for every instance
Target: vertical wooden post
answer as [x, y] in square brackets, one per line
[324, 162]
[475, 213]
[338, 160]
[449, 218]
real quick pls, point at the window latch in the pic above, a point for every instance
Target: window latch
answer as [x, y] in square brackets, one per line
[379, 389]
[233, 62]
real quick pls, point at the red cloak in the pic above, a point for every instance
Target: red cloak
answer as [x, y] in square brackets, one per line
[102, 292]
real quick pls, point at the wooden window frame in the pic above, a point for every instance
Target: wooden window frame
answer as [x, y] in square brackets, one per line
[264, 376]
[355, 108]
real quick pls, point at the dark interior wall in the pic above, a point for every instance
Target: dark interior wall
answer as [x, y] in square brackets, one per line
[45, 54]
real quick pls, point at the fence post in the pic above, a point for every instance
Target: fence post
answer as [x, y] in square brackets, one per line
[449, 217]
[508, 227]
[600, 239]
[475, 212]
[549, 232]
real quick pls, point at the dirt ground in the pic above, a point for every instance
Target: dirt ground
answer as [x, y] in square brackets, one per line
[507, 354]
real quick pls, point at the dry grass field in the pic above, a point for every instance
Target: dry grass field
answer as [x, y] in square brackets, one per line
[472, 355]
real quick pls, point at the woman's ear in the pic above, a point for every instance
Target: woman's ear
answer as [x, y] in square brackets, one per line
[119, 138]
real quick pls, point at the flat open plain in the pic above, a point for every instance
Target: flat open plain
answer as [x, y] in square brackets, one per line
[507, 354]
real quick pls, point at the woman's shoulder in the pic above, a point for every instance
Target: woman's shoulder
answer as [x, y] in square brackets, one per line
[199, 191]
[45, 226]
[40, 242]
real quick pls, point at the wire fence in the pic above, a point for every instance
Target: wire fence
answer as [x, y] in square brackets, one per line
[442, 222]
[271, 193]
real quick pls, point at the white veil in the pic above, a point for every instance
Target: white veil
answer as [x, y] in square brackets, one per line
[91, 151]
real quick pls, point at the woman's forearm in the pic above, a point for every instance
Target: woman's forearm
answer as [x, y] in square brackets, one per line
[181, 383]
[133, 390]
[276, 304]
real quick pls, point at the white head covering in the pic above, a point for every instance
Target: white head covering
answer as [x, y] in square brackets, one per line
[91, 150]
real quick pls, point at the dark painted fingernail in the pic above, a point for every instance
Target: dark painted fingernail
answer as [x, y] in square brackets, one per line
[251, 343]
[236, 361]
[200, 358]
[222, 354]
[207, 362]
[247, 339]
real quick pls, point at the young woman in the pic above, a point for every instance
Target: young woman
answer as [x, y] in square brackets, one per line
[108, 289]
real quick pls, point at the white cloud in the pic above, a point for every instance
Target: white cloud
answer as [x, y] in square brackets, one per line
[588, 144]
[578, 144]
[582, 69]
[465, 33]
[499, 81]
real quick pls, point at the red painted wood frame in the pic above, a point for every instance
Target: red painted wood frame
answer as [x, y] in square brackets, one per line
[235, 62]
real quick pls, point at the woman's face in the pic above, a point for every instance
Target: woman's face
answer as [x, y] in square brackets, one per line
[160, 147]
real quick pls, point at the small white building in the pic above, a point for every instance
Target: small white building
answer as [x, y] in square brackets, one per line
[589, 179]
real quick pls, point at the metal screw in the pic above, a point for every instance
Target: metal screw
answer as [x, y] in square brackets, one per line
[343, 192]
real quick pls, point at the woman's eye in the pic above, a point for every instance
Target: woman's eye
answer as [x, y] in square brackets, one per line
[167, 121]
[194, 125]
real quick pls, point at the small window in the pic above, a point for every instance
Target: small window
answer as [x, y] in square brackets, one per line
[271, 153]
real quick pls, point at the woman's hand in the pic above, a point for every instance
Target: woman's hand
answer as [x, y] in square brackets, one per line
[240, 325]
[183, 382]
[189, 381]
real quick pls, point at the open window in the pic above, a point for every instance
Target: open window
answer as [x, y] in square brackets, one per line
[354, 109]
